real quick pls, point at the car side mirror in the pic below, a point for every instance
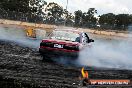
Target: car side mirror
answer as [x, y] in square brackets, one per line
[91, 40]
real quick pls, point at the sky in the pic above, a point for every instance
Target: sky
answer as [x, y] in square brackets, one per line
[102, 6]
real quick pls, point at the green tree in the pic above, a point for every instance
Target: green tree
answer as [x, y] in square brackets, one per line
[30, 10]
[122, 21]
[15, 5]
[90, 17]
[130, 19]
[37, 6]
[68, 17]
[37, 9]
[54, 12]
[108, 20]
[25, 6]
[78, 17]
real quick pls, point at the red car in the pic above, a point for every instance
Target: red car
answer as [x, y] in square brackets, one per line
[67, 42]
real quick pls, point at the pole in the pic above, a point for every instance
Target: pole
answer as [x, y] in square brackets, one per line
[67, 5]
[66, 10]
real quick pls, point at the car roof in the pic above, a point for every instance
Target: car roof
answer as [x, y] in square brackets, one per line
[70, 30]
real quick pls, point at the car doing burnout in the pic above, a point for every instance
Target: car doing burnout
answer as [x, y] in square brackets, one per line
[67, 42]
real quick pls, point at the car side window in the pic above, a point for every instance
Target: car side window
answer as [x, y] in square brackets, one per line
[78, 39]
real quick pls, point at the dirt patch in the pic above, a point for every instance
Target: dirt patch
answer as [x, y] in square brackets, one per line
[49, 28]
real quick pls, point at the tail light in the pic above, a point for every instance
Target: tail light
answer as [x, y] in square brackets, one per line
[48, 44]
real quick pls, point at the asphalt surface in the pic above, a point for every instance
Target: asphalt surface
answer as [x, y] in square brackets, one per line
[21, 64]
[22, 67]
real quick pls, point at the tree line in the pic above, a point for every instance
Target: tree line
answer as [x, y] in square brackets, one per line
[53, 13]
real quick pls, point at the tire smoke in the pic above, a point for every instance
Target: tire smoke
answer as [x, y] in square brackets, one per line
[113, 53]
[104, 52]
[18, 36]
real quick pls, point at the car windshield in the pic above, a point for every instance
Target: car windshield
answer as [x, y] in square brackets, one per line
[65, 35]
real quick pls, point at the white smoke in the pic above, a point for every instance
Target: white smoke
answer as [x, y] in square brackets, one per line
[18, 36]
[115, 53]
[104, 52]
